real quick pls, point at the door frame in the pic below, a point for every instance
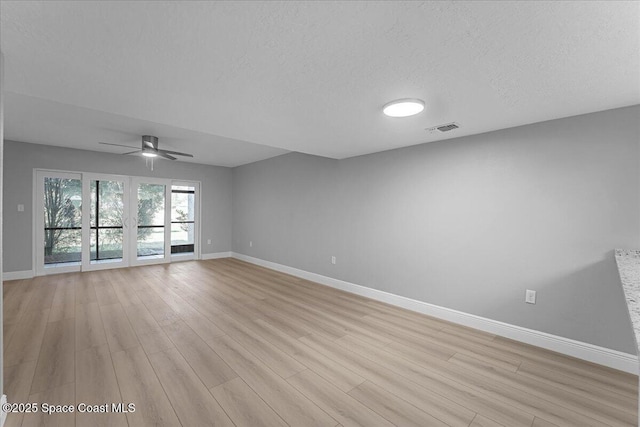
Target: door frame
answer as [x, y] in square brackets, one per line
[38, 221]
[86, 221]
[130, 259]
[133, 216]
[196, 228]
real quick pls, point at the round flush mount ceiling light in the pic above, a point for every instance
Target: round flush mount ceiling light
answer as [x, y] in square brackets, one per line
[403, 107]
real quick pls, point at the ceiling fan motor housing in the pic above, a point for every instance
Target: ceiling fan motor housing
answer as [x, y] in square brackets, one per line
[149, 142]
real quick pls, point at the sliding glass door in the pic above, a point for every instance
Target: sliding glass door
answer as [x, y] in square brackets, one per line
[87, 221]
[150, 214]
[106, 222]
[58, 236]
[184, 220]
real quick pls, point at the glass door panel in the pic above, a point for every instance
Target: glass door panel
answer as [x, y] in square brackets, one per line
[106, 230]
[184, 197]
[150, 221]
[59, 228]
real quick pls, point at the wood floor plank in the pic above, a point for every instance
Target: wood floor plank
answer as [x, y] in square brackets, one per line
[161, 312]
[89, 326]
[205, 328]
[43, 294]
[125, 292]
[568, 364]
[504, 401]
[16, 297]
[282, 315]
[480, 421]
[61, 395]
[441, 344]
[244, 406]
[289, 403]
[139, 384]
[277, 360]
[96, 384]
[463, 393]
[211, 369]
[155, 342]
[248, 345]
[393, 408]
[393, 324]
[27, 338]
[539, 422]
[174, 300]
[434, 404]
[554, 372]
[63, 305]
[191, 400]
[105, 295]
[56, 362]
[470, 334]
[590, 407]
[85, 293]
[120, 335]
[583, 386]
[342, 407]
[17, 384]
[140, 319]
[327, 368]
[8, 329]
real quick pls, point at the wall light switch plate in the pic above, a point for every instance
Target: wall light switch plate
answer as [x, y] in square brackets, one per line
[530, 297]
[250, 243]
[208, 241]
[20, 208]
[333, 260]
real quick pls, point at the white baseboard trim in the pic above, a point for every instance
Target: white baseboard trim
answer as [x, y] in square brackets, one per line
[29, 274]
[581, 350]
[17, 275]
[216, 255]
[3, 414]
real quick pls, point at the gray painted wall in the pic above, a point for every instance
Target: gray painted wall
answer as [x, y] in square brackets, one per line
[1, 214]
[21, 158]
[468, 223]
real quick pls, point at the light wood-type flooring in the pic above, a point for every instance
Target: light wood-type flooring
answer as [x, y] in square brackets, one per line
[226, 343]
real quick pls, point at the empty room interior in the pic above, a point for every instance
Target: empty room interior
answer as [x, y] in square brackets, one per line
[346, 213]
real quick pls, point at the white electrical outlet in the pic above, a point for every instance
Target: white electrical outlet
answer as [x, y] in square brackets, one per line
[208, 241]
[20, 208]
[333, 260]
[530, 297]
[250, 243]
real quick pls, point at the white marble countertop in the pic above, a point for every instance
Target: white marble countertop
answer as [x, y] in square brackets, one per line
[629, 267]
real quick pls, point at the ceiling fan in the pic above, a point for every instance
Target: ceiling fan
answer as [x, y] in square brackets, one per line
[150, 149]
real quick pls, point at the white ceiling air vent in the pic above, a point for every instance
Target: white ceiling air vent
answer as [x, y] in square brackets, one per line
[444, 128]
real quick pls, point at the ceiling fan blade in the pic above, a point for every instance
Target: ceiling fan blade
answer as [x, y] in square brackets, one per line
[177, 153]
[117, 145]
[133, 152]
[164, 155]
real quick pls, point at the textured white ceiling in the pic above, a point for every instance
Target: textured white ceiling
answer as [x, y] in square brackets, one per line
[309, 76]
[41, 121]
